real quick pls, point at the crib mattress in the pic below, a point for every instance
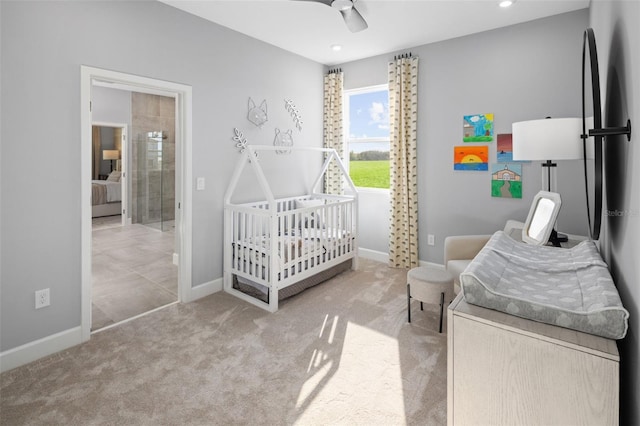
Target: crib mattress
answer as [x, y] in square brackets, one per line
[570, 288]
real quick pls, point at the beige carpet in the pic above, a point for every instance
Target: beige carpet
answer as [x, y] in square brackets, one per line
[339, 353]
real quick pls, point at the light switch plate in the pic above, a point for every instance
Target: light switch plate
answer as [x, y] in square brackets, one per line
[200, 184]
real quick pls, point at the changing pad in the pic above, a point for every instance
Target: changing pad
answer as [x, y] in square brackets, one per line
[570, 288]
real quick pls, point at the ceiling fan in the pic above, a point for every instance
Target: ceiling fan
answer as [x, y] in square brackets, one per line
[354, 20]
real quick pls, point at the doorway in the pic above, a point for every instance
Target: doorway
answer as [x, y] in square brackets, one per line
[132, 257]
[173, 238]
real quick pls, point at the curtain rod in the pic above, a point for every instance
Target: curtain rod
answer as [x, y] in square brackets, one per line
[403, 56]
[335, 71]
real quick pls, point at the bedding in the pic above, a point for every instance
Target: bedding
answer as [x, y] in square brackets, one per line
[104, 191]
[114, 176]
[570, 288]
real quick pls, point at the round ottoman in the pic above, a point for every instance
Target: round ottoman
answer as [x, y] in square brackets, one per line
[430, 285]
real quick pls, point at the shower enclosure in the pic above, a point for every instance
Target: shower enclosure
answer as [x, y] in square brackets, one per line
[155, 180]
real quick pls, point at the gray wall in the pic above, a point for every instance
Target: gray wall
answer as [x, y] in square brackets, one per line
[617, 34]
[43, 45]
[523, 72]
[111, 105]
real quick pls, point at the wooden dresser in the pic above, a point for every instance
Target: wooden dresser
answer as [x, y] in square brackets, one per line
[506, 370]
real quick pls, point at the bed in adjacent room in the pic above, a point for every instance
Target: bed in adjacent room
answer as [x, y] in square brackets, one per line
[106, 196]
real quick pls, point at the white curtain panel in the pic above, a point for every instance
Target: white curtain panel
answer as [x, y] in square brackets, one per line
[403, 113]
[333, 135]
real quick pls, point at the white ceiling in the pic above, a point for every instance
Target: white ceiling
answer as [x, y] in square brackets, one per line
[310, 29]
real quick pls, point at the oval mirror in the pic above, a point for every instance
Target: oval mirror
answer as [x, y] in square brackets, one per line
[592, 118]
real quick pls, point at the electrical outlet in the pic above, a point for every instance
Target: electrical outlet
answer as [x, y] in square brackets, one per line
[42, 298]
[431, 239]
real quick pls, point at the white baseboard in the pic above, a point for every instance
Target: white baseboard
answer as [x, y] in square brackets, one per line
[378, 256]
[203, 290]
[431, 264]
[35, 350]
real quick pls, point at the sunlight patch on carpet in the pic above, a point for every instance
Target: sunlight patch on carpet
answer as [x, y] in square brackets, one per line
[349, 369]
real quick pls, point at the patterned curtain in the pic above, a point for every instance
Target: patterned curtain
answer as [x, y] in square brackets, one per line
[332, 121]
[403, 111]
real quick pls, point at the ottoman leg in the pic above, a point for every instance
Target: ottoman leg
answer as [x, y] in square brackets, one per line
[408, 303]
[441, 309]
[421, 307]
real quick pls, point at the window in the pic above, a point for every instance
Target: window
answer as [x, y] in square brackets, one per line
[366, 117]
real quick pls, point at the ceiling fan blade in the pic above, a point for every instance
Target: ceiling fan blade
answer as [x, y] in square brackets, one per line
[327, 2]
[354, 20]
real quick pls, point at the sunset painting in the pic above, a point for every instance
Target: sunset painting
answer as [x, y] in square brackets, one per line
[471, 158]
[504, 148]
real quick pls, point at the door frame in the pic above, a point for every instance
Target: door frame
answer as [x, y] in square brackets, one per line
[124, 162]
[183, 95]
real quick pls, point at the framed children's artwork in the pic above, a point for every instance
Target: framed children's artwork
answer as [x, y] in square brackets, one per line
[471, 158]
[504, 149]
[477, 128]
[506, 180]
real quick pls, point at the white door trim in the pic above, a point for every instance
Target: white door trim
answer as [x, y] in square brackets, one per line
[183, 96]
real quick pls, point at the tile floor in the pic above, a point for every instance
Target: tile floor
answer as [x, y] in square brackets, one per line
[133, 270]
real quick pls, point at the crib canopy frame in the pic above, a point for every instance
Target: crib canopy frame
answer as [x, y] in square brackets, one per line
[251, 152]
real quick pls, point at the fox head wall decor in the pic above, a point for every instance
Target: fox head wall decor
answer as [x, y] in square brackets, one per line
[257, 114]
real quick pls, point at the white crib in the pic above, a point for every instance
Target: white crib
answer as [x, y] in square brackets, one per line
[278, 247]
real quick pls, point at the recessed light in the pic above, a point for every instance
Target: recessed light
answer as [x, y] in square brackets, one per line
[336, 47]
[506, 3]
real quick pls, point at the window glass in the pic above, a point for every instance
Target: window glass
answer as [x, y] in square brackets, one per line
[367, 125]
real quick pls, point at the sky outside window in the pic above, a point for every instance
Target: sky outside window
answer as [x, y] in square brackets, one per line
[369, 118]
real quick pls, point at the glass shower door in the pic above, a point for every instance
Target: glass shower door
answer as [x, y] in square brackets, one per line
[154, 188]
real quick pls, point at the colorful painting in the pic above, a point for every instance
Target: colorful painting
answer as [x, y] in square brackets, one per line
[474, 158]
[506, 180]
[504, 149]
[477, 128]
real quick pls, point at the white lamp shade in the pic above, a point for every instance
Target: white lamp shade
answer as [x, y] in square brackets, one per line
[547, 139]
[110, 154]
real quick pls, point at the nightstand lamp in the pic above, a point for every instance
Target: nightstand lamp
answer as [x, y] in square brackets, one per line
[110, 154]
[548, 140]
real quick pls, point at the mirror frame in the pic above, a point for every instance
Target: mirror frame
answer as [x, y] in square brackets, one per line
[598, 132]
[589, 42]
[534, 212]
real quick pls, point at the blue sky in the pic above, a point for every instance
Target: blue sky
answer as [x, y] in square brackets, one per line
[369, 115]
